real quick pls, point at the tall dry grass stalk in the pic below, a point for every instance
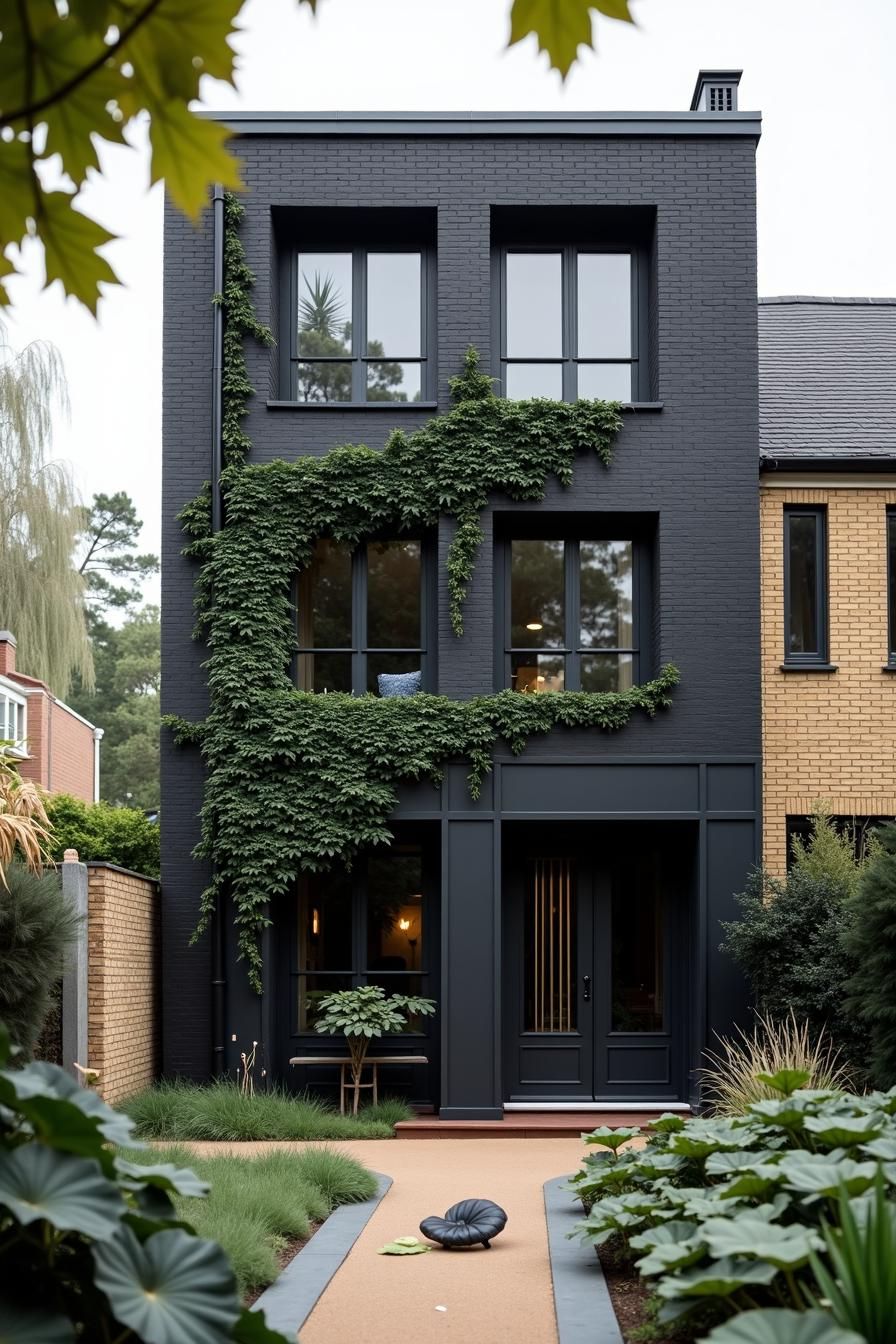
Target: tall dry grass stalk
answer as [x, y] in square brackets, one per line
[24, 824]
[729, 1079]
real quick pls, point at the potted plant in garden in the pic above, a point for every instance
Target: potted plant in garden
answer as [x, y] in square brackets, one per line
[362, 1014]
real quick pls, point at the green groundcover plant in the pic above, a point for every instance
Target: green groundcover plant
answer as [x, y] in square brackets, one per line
[178, 1111]
[91, 1244]
[746, 1222]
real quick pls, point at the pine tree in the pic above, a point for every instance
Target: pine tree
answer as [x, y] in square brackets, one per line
[871, 939]
[41, 591]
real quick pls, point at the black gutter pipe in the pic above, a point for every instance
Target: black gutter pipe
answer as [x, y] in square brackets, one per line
[219, 946]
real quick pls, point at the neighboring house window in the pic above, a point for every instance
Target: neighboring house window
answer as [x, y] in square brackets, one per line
[571, 614]
[360, 331]
[859, 830]
[805, 585]
[367, 927]
[363, 612]
[891, 585]
[13, 722]
[570, 323]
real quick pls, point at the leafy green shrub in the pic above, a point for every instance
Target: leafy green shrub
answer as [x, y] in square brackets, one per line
[791, 939]
[730, 1080]
[91, 1246]
[731, 1213]
[37, 925]
[257, 1204]
[363, 1014]
[104, 834]
[871, 942]
[221, 1111]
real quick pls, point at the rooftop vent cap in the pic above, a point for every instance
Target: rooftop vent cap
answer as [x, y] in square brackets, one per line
[716, 91]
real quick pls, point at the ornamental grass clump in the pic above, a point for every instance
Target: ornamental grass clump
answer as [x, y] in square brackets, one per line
[730, 1080]
[735, 1222]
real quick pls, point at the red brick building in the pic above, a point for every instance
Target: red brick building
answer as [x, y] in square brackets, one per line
[56, 747]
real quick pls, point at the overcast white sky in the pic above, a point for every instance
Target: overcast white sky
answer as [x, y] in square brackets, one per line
[820, 71]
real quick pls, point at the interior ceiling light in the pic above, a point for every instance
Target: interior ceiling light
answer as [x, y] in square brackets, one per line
[534, 625]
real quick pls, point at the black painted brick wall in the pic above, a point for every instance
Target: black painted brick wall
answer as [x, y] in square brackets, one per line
[694, 462]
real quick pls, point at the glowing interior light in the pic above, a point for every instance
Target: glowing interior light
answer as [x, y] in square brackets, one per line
[534, 625]
[404, 925]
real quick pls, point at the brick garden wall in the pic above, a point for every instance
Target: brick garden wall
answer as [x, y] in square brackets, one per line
[829, 735]
[123, 1002]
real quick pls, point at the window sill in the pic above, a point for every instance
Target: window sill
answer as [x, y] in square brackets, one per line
[809, 667]
[352, 405]
[643, 405]
[888, 667]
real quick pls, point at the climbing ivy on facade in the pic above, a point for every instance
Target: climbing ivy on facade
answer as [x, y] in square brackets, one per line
[300, 782]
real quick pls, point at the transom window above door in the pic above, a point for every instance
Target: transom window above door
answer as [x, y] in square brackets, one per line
[569, 324]
[362, 613]
[571, 615]
[360, 329]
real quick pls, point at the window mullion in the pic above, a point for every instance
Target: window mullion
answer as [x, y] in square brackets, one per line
[359, 324]
[569, 299]
[572, 675]
[359, 619]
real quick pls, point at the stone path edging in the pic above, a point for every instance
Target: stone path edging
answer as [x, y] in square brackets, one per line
[582, 1303]
[293, 1295]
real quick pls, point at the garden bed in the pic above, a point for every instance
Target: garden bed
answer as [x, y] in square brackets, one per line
[263, 1209]
[217, 1112]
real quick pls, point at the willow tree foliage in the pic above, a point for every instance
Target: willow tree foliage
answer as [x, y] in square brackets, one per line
[41, 591]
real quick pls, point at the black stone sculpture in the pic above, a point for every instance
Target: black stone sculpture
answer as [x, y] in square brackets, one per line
[466, 1224]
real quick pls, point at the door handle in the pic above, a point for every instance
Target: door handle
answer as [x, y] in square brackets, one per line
[586, 983]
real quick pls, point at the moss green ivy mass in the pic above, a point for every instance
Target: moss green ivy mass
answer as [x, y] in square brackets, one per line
[298, 782]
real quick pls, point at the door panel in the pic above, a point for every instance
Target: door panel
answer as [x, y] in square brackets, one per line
[594, 968]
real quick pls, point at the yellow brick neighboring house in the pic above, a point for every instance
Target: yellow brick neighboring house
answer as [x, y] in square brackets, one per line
[827, 492]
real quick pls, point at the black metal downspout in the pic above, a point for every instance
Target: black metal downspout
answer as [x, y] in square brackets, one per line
[219, 946]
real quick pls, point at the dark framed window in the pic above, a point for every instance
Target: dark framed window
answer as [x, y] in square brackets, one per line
[859, 830]
[363, 612]
[361, 324]
[572, 613]
[571, 322]
[375, 925]
[891, 586]
[805, 585]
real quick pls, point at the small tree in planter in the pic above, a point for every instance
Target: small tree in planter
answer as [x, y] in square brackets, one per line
[364, 1013]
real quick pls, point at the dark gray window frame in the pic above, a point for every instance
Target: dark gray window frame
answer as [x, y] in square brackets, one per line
[289, 355]
[821, 657]
[891, 587]
[569, 359]
[359, 649]
[360, 973]
[573, 534]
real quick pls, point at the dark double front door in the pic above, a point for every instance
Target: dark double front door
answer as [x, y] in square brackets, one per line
[594, 953]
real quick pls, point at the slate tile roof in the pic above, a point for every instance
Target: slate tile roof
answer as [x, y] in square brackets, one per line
[827, 380]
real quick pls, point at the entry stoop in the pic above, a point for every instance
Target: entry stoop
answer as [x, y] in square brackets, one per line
[522, 1125]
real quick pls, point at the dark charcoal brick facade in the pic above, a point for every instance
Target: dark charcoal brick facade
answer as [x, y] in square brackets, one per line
[691, 462]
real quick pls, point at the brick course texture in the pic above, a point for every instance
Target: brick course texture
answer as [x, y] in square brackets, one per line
[829, 735]
[123, 1004]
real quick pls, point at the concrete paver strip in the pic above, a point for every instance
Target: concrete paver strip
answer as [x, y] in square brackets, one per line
[497, 1296]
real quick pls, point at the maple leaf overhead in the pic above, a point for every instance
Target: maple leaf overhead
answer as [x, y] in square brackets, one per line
[73, 75]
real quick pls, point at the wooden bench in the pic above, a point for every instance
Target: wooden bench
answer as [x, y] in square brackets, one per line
[344, 1062]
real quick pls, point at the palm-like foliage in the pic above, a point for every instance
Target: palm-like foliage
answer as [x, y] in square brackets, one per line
[42, 594]
[322, 307]
[24, 824]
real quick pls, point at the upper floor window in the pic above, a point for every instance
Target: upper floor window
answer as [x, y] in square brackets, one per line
[891, 586]
[571, 614]
[805, 585]
[13, 722]
[361, 618]
[360, 329]
[570, 323]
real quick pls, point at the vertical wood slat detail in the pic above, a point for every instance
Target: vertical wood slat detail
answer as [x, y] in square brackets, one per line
[552, 923]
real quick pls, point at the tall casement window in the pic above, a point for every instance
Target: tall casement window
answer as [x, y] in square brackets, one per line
[805, 586]
[571, 615]
[570, 323]
[367, 927]
[891, 587]
[13, 722]
[360, 332]
[362, 614]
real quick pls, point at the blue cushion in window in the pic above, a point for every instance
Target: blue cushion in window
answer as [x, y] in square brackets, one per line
[399, 683]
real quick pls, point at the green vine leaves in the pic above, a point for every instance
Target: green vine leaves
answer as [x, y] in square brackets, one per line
[298, 782]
